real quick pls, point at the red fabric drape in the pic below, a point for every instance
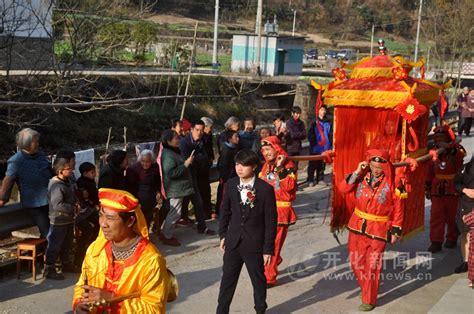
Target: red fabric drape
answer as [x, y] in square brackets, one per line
[355, 129]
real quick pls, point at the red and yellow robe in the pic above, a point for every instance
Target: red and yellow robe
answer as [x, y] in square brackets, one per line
[143, 277]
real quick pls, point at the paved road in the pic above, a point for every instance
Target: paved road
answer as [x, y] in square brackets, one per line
[315, 276]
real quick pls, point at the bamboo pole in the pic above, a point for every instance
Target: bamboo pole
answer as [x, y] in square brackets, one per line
[104, 156]
[420, 159]
[189, 72]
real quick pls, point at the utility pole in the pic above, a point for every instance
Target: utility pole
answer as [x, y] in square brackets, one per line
[259, 34]
[215, 64]
[294, 22]
[189, 72]
[418, 31]
[372, 40]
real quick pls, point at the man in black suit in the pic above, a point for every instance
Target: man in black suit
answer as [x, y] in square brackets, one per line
[247, 229]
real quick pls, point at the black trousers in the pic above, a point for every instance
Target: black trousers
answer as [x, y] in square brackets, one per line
[205, 190]
[60, 241]
[318, 166]
[233, 262]
[466, 126]
[460, 123]
[220, 195]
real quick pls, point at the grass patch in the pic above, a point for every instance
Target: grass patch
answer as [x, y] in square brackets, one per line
[205, 60]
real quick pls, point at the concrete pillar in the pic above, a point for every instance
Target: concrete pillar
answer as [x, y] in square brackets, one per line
[305, 98]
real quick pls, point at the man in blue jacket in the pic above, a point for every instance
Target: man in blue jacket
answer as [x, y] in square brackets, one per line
[320, 140]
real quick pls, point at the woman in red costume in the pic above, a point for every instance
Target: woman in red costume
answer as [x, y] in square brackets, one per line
[376, 220]
[281, 174]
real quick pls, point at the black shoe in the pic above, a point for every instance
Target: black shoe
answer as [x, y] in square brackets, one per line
[450, 244]
[50, 273]
[207, 231]
[461, 268]
[435, 247]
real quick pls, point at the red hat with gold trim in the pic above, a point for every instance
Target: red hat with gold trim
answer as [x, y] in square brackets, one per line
[121, 202]
[117, 200]
[383, 157]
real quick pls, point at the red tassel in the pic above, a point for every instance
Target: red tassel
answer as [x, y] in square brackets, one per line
[422, 72]
[412, 147]
[443, 104]
[319, 103]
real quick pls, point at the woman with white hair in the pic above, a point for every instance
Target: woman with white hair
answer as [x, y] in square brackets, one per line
[31, 171]
[144, 182]
[232, 123]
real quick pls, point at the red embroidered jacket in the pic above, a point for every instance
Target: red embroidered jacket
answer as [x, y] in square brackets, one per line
[283, 180]
[441, 172]
[379, 212]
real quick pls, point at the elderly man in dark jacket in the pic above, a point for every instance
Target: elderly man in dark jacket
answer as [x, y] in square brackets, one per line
[297, 131]
[192, 145]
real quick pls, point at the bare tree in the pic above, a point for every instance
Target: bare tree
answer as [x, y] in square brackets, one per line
[449, 27]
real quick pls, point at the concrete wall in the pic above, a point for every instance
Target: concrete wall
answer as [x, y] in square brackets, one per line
[244, 54]
[26, 34]
[294, 48]
[20, 53]
[27, 18]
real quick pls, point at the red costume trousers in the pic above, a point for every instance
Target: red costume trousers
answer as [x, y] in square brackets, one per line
[443, 212]
[271, 271]
[365, 255]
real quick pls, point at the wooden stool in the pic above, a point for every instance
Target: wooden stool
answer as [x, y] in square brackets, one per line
[36, 247]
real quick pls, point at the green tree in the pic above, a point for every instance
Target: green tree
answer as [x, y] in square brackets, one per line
[113, 38]
[143, 34]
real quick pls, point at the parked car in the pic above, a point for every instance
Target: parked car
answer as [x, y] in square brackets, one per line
[311, 54]
[331, 54]
[345, 54]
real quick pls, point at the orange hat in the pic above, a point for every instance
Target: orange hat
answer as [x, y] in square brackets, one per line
[122, 202]
[117, 200]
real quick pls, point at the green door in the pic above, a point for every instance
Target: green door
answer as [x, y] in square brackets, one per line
[281, 62]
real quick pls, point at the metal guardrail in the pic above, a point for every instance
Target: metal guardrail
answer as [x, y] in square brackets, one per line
[13, 217]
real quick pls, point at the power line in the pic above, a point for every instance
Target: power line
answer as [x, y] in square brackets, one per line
[114, 102]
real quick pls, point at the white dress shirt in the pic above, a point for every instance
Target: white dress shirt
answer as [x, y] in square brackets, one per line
[243, 193]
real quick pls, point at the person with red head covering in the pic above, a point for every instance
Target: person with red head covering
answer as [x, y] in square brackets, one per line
[123, 272]
[377, 219]
[440, 188]
[279, 172]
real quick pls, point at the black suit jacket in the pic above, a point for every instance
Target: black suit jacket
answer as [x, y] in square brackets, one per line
[254, 228]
